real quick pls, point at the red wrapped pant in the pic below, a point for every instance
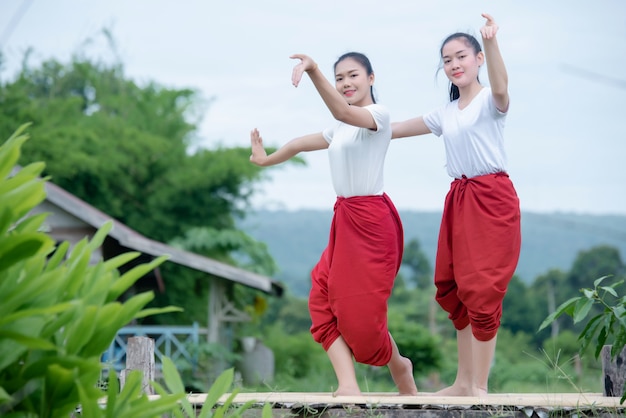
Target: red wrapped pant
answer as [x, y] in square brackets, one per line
[478, 250]
[354, 277]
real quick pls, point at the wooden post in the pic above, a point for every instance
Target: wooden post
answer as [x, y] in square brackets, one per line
[613, 371]
[140, 356]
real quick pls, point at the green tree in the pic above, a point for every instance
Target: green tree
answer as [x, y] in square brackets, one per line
[417, 262]
[588, 266]
[548, 290]
[520, 311]
[603, 260]
[128, 149]
[124, 148]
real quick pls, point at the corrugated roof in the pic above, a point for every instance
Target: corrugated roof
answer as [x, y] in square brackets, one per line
[135, 241]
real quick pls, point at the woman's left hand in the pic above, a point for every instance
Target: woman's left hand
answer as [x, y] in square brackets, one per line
[258, 156]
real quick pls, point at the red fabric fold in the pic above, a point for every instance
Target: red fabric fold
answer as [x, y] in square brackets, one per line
[478, 251]
[354, 277]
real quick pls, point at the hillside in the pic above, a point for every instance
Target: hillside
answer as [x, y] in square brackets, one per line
[297, 238]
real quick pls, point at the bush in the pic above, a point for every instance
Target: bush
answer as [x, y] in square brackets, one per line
[419, 345]
[608, 327]
[59, 313]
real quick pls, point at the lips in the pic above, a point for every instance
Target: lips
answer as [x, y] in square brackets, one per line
[349, 93]
[457, 75]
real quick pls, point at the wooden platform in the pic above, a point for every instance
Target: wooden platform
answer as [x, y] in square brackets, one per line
[424, 405]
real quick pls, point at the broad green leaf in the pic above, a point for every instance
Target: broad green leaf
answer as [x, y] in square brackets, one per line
[267, 411]
[564, 308]
[132, 388]
[130, 277]
[171, 376]
[58, 256]
[111, 394]
[25, 313]
[134, 305]
[10, 153]
[89, 406]
[82, 330]
[4, 396]
[581, 309]
[120, 260]
[591, 327]
[20, 247]
[220, 387]
[31, 224]
[157, 311]
[27, 340]
[24, 197]
[151, 408]
[98, 239]
[608, 289]
[6, 219]
[599, 280]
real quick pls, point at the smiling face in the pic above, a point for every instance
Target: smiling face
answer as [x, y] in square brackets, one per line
[353, 82]
[461, 62]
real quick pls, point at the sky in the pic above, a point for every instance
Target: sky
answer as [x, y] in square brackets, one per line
[564, 133]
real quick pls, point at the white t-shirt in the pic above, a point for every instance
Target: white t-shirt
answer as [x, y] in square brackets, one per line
[473, 137]
[357, 155]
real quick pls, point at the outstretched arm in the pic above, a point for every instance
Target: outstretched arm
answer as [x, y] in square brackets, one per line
[498, 78]
[409, 127]
[259, 157]
[340, 109]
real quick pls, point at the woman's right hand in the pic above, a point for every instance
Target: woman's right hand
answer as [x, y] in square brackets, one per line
[306, 64]
[258, 156]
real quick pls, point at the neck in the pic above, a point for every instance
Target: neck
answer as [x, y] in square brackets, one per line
[467, 93]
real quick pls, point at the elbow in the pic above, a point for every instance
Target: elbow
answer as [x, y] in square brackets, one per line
[342, 114]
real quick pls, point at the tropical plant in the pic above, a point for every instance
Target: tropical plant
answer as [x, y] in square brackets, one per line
[605, 328]
[60, 312]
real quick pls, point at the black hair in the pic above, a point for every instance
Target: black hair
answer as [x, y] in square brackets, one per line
[470, 41]
[361, 59]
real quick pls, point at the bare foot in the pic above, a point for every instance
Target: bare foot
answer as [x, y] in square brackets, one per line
[458, 390]
[347, 392]
[402, 375]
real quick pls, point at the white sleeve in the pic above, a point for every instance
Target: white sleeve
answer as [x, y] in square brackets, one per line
[432, 120]
[380, 115]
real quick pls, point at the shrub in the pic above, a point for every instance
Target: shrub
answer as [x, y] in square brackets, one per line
[607, 327]
[59, 313]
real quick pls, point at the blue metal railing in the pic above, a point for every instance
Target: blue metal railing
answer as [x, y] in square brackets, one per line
[170, 341]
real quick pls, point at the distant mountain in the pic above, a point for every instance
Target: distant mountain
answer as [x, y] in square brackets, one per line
[549, 241]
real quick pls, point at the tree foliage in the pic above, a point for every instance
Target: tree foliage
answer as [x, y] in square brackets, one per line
[124, 148]
[131, 151]
[416, 260]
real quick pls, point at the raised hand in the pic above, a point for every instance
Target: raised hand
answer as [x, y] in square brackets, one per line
[258, 156]
[306, 64]
[490, 29]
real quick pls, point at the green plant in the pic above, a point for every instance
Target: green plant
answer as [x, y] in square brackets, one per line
[607, 327]
[210, 407]
[60, 312]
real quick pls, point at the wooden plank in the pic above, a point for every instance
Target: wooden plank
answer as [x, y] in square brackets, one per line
[520, 400]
